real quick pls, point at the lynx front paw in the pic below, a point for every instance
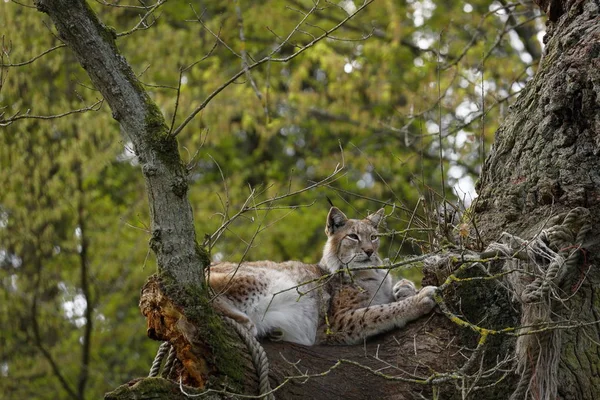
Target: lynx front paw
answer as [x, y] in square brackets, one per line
[404, 289]
[426, 300]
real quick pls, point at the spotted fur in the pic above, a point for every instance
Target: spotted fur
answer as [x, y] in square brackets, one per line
[310, 304]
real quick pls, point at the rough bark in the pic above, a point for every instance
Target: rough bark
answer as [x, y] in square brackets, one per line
[425, 345]
[94, 46]
[545, 160]
[180, 259]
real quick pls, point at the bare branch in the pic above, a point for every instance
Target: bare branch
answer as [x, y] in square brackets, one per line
[268, 58]
[246, 208]
[217, 36]
[20, 64]
[17, 116]
[143, 25]
[244, 55]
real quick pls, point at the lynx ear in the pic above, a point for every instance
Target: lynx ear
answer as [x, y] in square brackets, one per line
[335, 220]
[376, 218]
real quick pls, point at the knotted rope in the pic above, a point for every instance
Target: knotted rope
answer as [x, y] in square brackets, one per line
[259, 358]
[550, 256]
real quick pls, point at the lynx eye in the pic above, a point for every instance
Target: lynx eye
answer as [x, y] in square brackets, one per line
[374, 238]
[353, 236]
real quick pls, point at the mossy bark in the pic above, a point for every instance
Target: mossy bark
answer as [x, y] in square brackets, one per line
[180, 259]
[150, 388]
[544, 161]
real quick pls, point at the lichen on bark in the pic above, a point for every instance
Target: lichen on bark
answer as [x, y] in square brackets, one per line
[544, 161]
[212, 350]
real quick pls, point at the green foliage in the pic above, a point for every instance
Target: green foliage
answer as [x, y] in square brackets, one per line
[371, 105]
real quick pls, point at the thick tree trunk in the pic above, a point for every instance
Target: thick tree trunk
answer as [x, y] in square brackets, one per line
[180, 259]
[545, 160]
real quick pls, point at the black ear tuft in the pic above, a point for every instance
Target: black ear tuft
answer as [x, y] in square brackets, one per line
[335, 220]
[329, 201]
[376, 218]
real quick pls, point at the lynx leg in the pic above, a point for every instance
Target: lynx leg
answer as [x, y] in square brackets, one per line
[404, 289]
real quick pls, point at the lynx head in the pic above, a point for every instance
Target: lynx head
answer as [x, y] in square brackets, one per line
[351, 243]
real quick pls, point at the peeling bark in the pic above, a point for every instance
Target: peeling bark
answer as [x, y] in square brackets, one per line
[180, 259]
[167, 321]
[544, 160]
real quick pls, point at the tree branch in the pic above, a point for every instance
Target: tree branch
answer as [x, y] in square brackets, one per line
[16, 116]
[180, 259]
[264, 60]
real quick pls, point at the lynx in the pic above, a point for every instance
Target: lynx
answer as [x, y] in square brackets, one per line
[341, 300]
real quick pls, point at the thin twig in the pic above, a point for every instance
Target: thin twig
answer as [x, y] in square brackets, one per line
[268, 58]
[5, 122]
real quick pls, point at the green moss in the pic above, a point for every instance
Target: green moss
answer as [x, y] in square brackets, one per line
[195, 302]
[146, 388]
[161, 142]
[164, 145]
[569, 355]
[204, 258]
[109, 34]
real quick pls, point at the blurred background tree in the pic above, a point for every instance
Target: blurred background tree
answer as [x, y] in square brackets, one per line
[405, 96]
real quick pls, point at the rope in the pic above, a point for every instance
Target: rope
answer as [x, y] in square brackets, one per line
[259, 357]
[563, 238]
[552, 255]
[170, 363]
[160, 354]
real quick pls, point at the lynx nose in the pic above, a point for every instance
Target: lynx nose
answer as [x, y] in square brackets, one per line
[368, 252]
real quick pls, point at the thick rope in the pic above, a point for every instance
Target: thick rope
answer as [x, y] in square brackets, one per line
[259, 357]
[170, 363]
[160, 354]
[552, 255]
[172, 374]
[571, 233]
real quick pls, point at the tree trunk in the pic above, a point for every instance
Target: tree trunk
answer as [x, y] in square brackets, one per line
[180, 260]
[544, 161]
